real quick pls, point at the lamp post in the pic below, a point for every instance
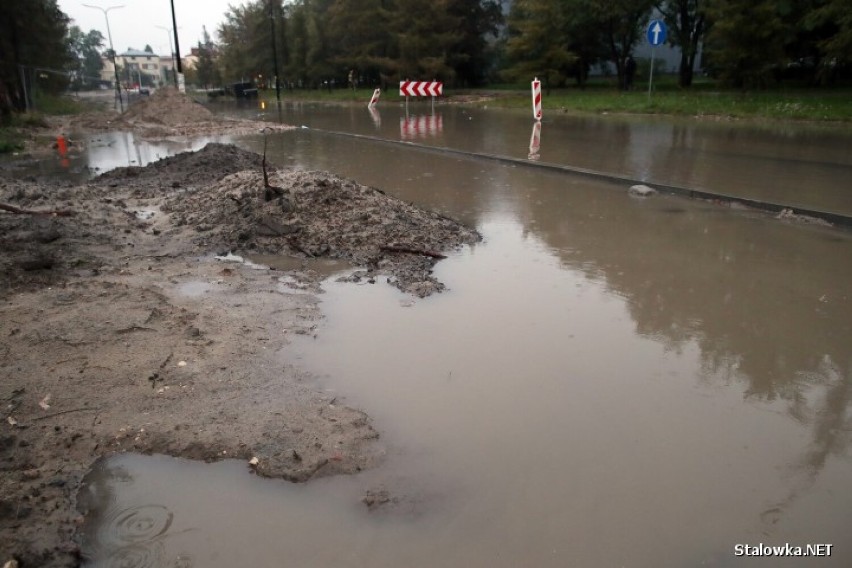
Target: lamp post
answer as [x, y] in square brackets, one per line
[172, 51]
[111, 48]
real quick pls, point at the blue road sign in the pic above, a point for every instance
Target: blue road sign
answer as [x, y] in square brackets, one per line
[656, 32]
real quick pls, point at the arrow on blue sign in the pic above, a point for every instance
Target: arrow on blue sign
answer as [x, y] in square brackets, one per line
[656, 32]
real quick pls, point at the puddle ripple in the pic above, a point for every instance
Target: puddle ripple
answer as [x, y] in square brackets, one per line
[133, 538]
[136, 525]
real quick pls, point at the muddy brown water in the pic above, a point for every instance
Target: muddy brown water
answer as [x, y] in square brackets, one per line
[804, 165]
[608, 381]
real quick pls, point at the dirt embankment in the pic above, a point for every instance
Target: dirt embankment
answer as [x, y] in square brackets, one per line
[166, 114]
[120, 332]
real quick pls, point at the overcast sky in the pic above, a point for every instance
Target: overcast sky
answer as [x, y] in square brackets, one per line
[136, 24]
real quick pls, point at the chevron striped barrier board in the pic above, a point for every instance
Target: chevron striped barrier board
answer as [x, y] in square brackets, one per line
[421, 89]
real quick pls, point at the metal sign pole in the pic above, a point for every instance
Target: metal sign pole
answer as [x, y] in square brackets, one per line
[656, 35]
[651, 74]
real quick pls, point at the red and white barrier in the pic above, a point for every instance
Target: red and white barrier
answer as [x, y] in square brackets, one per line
[374, 114]
[535, 141]
[375, 98]
[411, 127]
[536, 98]
[421, 89]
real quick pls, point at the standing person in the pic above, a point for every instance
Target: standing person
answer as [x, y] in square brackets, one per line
[352, 79]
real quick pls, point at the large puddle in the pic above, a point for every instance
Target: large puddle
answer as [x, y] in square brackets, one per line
[801, 164]
[609, 381]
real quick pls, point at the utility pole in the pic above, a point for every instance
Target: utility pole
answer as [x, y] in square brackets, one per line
[112, 49]
[177, 46]
[275, 55]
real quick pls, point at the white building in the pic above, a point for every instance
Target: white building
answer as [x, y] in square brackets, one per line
[139, 67]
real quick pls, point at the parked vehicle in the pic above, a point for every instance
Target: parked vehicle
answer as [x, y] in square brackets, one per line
[244, 90]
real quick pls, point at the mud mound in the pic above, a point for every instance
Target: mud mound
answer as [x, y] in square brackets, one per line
[320, 214]
[187, 169]
[167, 106]
[165, 114]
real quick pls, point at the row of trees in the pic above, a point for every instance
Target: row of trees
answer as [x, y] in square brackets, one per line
[746, 43]
[38, 47]
[382, 40]
[32, 35]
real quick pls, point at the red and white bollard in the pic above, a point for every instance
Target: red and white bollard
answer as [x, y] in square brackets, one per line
[536, 98]
[535, 141]
[375, 98]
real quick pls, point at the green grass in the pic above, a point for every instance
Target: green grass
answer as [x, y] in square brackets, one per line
[11, 140]
[776, 105]
[704, 98]
[21, 127]
[57, 104]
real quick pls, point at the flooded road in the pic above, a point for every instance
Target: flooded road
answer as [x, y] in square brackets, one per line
[608, 381]
[803, 165]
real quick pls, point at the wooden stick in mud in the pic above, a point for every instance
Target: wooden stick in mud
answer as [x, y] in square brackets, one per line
[50, 213]
[268, 190]
[413, 251]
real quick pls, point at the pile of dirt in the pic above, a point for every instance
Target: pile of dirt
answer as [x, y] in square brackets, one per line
[317, 214]
[185, 170]
[166, 113]
[167, 106]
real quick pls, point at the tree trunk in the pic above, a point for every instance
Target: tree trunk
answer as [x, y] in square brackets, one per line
[685, 74]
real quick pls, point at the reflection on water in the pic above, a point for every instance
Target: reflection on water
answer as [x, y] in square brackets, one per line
[535, 142]
[118, 149]
[608, 382]
[422, 126]
[793, 164]
[95, 154]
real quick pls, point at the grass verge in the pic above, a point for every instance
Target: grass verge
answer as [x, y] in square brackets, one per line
[704, 98]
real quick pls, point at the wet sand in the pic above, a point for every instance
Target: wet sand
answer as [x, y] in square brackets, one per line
[122, 330]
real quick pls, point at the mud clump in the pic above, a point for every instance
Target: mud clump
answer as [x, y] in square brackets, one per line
[186, 170]
[165, 114]
[317, 214]
[169, 107]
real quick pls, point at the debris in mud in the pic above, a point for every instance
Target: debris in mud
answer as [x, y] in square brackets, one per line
[374, 499]
[641, 191]
[185, 170]
[92, 312]
[324, 216]
[790, 215]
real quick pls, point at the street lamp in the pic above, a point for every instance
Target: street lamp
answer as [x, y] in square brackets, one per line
[109, 34]
[172, 50]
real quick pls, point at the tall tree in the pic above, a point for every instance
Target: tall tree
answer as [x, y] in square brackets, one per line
[746, 43]
[86, 64]
[246, 42]
[425, 33]
[471, 54]
[621, 23]
[32, 34]
[687, 20]
[538, 42]
[207, 73]
[363, 42]
[834, 17]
